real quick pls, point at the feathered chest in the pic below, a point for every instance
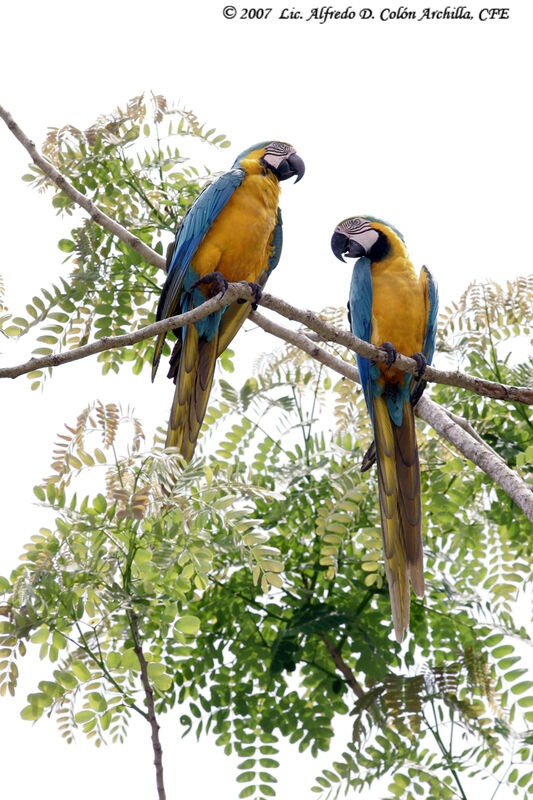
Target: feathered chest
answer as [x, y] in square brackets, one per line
[398, 307]
[238, 242]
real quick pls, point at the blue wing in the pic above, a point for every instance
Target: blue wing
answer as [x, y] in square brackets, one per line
[277, 243]
[432, 305]
[432, 311]
[190, 233]
[360, 308]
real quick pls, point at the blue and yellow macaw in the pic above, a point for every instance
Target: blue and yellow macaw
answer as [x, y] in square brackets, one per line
[232, 232]
[393, 308]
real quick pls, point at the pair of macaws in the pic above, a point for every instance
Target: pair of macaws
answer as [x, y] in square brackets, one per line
[233, 232]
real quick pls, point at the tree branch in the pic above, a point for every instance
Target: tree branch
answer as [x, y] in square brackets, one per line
[326, 330]
[343, 667]
[234, 292]
[149, 695]
[300, 340]
[94, 212]
[479, 453]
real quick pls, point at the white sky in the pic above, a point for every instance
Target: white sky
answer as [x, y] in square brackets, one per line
[424, 124]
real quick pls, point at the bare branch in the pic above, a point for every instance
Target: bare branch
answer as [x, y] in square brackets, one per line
[326, 331]
[460, 435]
[465, 425]
[94, 212]
[300, 339]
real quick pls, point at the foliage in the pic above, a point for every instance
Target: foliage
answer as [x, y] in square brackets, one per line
[251, 581]
[129, 164]
[488, 330]
[256, 580]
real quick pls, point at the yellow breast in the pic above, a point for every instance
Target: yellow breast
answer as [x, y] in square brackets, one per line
[238, 242]
[398, 309]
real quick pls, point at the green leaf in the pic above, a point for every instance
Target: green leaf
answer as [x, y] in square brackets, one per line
[58, 640]
[188, 625]
[523, 686]
[39, 493]
[83, 716]
[40, 635]
[100, 503]
[80, 670]
[97, 701]
[31, 712]
[66, 245]
[65, 678]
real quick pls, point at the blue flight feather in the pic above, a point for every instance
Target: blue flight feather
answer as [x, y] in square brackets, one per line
[192, 230]
[277, 242]
[360, 307]
[418, 386]
[431, 322]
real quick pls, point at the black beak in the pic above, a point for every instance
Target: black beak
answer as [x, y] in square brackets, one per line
[343, 246]
[293, 165]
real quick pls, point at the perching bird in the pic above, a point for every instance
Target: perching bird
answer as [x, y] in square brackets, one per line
[232, 232]
[393, 308]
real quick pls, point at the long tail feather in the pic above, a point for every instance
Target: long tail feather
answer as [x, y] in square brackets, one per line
[399, 500]
[230, 324]
[193, 385]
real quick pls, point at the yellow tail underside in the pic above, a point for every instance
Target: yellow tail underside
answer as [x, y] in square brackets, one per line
[400, 506]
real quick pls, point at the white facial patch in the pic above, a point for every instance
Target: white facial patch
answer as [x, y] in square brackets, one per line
[358, 230]
[276, 152]
[366, 238]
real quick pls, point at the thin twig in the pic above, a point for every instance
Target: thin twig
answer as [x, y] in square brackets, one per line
[149, 695]
[465, 425]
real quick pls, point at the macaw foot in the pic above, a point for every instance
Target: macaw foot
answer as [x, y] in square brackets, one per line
[421, 362]
[390, 352]
[349, 316]
[257, 292]
[218, 282]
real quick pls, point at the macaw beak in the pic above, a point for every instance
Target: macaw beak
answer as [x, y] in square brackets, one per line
[344, 246]
[293, 165]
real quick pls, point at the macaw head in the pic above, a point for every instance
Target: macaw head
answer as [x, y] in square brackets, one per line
[278, 157]
[366, 236]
